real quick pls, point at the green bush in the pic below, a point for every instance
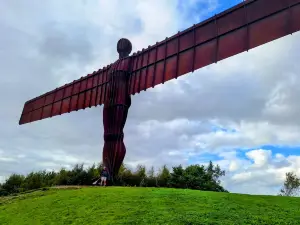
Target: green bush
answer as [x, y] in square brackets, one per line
[13, 184]
[193, 177]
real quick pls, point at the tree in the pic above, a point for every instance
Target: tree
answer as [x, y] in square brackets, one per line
[36, 180]
[141, 171]
[151, 172]
[151, 180]
[13, 183]
[3, 192]
[62, 177]
[178, 179]
[78, 175]
[215, 172]
[124, 175]
[141, 174]
[291, 185]
[92, 174]
[197, 177]
[164, 176]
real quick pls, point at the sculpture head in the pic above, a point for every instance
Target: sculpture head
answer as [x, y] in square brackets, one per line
[124, 48]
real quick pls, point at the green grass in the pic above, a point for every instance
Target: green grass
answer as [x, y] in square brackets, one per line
[116, 205]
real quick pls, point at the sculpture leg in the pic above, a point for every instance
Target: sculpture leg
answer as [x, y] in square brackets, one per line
[114, 118]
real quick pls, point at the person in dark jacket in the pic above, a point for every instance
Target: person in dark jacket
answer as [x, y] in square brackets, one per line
[104, 176]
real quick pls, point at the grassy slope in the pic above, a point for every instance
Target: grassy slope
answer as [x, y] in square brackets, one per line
[116, 205]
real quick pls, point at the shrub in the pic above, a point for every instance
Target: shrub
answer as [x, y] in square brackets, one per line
[193, 177]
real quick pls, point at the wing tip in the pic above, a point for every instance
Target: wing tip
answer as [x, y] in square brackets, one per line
[20, 122]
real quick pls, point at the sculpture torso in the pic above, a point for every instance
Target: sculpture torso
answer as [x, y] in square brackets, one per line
[118, 93]
[115, 113]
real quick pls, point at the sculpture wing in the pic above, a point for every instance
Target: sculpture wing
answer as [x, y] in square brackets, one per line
[85, 92]
[247, 25]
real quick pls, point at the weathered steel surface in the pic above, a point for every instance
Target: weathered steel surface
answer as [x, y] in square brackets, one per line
[82, 93]
[243, 27]
[116, 108]
[114, 118]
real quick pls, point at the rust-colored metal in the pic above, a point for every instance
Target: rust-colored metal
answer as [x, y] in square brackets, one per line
[116, 108]
[241, 28]
[247, 25]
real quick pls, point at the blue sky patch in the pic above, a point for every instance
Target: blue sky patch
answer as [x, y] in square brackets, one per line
[203, 10]
[202, 158]
[241, 153]
[284, 150]
[216, 128]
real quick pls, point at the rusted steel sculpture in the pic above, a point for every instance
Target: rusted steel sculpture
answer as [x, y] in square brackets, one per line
[115, 111]
[247, 25]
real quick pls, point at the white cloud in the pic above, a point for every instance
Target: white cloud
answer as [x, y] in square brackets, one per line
[261, 173]
[233, 166]
[45, 44]
[260, 157]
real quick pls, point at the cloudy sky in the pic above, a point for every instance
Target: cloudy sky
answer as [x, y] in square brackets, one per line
[242, 113]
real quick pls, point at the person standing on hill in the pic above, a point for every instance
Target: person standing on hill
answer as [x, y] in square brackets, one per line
[104, 176]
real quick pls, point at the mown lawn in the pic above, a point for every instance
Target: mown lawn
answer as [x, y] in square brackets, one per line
[116, 205]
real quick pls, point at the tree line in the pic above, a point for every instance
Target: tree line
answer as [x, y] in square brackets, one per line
[197, 177]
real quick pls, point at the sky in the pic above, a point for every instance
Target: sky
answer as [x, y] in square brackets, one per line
[241, 113]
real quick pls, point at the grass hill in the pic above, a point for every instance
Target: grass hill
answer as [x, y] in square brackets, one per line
[117, 205]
